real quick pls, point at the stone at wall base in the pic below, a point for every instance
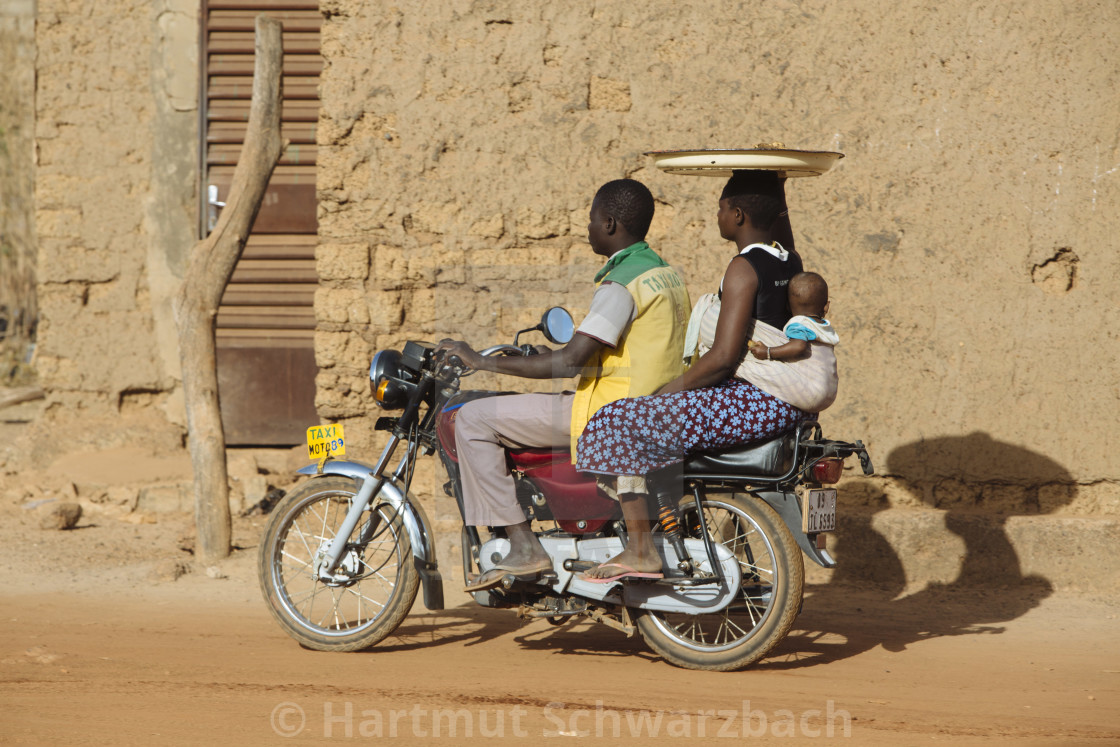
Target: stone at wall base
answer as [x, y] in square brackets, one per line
[60, 516]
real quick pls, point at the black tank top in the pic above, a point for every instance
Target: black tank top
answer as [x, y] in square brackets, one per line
[771, 304]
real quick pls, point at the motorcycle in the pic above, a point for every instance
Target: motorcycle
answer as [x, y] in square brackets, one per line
[345, 554]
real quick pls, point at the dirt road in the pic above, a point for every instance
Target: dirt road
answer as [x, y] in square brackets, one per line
[97, 646]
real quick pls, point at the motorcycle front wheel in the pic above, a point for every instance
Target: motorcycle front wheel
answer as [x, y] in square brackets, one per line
[366, 596]
[760, 615]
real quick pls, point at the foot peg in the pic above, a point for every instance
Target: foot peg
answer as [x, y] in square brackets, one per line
[578, 566]
[545, 577]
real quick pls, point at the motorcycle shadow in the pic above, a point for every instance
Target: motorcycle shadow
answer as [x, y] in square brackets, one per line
[840, 622]
[865, 604]
[468, 625]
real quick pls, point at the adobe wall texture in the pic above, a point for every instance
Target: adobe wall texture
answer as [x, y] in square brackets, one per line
[969, 236]
[115, 111]
[17, 235]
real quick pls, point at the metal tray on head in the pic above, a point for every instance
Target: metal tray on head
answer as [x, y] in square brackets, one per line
[721, 162]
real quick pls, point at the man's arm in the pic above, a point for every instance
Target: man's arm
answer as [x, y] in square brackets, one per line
[564, 363]
[612, 310]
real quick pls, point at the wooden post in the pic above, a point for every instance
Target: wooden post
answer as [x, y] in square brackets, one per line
[209, 269]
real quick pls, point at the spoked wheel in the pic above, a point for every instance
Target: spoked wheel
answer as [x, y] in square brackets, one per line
[764, 610]
[366, 596]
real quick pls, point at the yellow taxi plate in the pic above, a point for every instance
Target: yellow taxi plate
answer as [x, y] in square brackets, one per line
[325, 440]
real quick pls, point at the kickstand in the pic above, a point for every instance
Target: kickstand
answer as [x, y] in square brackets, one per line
[625, 625]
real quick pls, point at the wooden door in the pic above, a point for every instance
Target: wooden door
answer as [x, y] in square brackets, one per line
[266, 323]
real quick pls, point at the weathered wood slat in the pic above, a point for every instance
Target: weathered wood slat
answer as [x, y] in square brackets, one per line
[234, 110]
[242, 64]
[295, 42]
[279, 246]
[243, 20]
[266, 317]
[241, 87]
[270, 294]
[294, 154]
[265, 338]
[234, 132]
[300, 175]
[262, 5]
[275, 271]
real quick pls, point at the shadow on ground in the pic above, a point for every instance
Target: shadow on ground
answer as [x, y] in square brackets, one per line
[864, 605]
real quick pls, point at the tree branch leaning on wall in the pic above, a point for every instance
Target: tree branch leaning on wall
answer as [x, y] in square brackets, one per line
[209, 270]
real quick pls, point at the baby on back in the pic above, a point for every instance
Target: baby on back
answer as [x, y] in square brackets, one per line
[802, 370]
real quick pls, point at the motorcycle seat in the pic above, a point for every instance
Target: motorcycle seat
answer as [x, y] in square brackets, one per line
[769, 458]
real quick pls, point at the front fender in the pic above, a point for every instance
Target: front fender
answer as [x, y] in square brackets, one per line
[413, 517]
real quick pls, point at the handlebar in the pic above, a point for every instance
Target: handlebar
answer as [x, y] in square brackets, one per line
[456, 362]
[501, 350]
[843, 449]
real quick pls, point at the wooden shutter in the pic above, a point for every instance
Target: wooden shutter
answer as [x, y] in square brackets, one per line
[266, 323]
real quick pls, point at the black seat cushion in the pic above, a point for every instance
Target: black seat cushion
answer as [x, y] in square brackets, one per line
[770, 458]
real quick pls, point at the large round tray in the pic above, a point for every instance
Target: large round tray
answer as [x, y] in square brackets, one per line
[721, 162]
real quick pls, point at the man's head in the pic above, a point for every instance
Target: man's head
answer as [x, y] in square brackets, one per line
[620, 216]
[808, 295]
[757, 197]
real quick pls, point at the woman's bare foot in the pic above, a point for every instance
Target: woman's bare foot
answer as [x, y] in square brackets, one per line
[627, 562]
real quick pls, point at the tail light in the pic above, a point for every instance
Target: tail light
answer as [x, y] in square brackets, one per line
[827, 471]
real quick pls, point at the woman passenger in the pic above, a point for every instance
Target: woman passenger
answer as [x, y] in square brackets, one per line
[707, 407]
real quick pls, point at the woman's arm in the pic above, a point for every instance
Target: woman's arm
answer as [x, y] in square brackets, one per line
[783, 230]
[740, 286]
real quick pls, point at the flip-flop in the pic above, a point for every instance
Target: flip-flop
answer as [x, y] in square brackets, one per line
[494, 576]
[486, 581]
[627, 572]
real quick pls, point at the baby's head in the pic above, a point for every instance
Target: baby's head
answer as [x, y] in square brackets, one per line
[808, 295]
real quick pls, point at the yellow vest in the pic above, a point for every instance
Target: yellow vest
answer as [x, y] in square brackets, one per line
[649, 354]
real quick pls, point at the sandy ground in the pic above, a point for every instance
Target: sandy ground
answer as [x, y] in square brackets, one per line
[112, 633]
[100, 644]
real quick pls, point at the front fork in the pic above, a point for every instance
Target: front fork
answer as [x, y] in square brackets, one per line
[371, 485]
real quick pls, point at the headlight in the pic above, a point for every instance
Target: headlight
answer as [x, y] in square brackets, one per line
[387, 380]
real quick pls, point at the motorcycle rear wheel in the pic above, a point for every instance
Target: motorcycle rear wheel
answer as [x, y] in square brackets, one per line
[370, 591]
[768, 601]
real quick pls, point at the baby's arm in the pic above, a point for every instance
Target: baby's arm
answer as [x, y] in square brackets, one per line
[787, 351]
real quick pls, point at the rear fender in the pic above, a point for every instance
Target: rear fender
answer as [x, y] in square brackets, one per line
[787, 507]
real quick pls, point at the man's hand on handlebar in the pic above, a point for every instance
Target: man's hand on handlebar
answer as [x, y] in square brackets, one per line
[462, 351]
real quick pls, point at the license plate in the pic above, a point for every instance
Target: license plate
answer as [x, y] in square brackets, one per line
[325, 440]
[820, 511]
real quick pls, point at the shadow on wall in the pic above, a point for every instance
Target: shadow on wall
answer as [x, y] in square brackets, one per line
[979, 483]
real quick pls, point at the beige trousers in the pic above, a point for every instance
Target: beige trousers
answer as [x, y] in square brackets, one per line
[484, 428]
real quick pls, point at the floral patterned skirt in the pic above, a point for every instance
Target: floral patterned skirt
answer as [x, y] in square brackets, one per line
[637, 436]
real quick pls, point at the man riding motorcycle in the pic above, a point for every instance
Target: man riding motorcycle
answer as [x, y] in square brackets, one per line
[629, 345]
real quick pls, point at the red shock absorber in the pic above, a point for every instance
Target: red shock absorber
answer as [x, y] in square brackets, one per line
[667, 517]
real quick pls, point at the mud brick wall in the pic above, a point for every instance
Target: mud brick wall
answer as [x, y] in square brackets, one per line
[115, 110]
[17, 129]
[969, 236]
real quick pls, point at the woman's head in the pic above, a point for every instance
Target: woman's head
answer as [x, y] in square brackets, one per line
[751, 196]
